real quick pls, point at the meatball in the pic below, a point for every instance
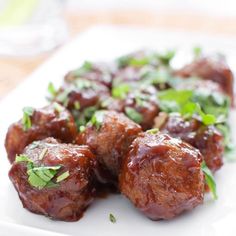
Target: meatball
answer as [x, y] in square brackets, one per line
[109, 136]
[50, 121]
[211, 68]
[162, 176]
[54, 179]
[207, 139]
[82, 93]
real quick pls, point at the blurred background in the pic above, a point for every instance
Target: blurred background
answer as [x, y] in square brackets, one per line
[33, 30]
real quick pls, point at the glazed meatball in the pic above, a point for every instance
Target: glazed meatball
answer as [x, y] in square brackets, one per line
[49, 121]
[211, 68]
[109, 137]
[162, 176]
[207, 139]
[82, 93]
[54, 179]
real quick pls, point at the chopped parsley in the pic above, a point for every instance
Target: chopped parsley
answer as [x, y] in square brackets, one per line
[59, 108]
[120, 91]
[63, 176]
[81, 128]
[43, 153]
[26, 120]
[112, 218]
[52, 90]
[62, 97]
[181, 101]
[85, 68]
[83, 84]
[133, 115]
[209, 179]
[41, 176]
[77, 105]
[154, 76]
[153, 131]
[22, 158]
[34, 144]
[197, 51]
[166, 57]
[194, 108]
[97, 119]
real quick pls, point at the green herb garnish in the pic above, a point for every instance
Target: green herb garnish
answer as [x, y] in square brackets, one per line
[157, 76]
[51, 89]
[85, 68]
[194, 108]
[77, 105]
[81, 128]
[63, 176]
[133, 115]
[59, 108]
[112, 218]
[26, 120]
[43, 153]
[153, 131]
[166, 57]
[39, 176]
[120, 91]
[83, 84]
[97, 119]
[197, 51]
[22, 158]
[181, 101]
[209, 179]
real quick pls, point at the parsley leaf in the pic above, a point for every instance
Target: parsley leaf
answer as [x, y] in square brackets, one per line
[152, 131]
[120, 91]
[77, 105]
[194, 108]
[81, 128]
[22, 158]
[112, 218]
[86, 67]
[43, 153]
[97, 119]
[197, 51]
[166, 57]
[52, 90]
[133, 115]
[181, 101]
[26, 121]
[39, 176]
[63, 176]
[209, 179]
[59, 108]
[179, 96]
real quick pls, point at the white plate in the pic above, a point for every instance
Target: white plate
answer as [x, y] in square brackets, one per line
[105, 43]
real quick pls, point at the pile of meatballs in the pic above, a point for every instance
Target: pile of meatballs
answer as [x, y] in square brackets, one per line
[104, 130]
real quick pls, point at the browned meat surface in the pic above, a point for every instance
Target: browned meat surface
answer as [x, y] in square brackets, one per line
[45, 122]
[162, 176]
[214, 69]
[65, 199]
[82, 93]
[205, 138]
[110, 139]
